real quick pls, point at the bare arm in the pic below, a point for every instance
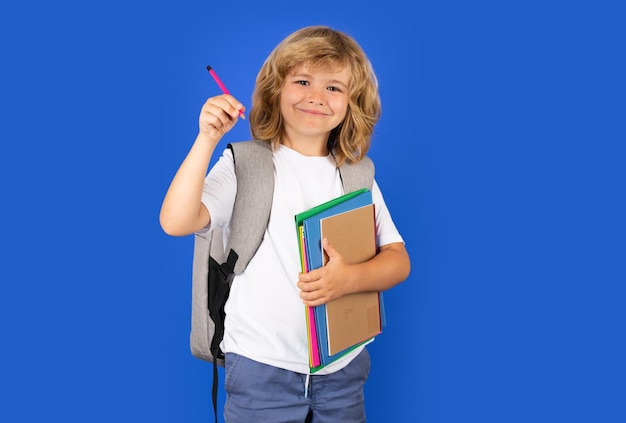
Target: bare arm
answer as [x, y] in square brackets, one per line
[388, 268]
[182, 212]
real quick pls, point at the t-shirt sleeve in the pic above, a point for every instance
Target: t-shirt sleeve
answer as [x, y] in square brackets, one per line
[219, 191]
[386, 231]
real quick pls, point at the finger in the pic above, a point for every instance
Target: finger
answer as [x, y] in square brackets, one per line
[227, 103]
[214, 116]
[309, 276]
[311, 297]
[312, 301]
[330, 250]
[239, 111]
[222, 106]
[307, 286]
[235, 107]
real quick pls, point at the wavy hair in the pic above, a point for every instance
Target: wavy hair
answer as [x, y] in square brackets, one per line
[319, 47]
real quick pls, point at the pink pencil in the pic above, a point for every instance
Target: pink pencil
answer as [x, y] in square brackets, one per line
[222, 86]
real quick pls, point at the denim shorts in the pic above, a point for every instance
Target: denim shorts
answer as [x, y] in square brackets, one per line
[256, 392]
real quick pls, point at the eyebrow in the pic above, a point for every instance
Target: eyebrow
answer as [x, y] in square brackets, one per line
[309, 76]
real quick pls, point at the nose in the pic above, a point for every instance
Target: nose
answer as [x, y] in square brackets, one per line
[316, 96]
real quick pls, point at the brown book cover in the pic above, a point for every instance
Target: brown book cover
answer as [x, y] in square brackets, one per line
[353, 318]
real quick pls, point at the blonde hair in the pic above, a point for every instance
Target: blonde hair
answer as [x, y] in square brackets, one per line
[319, 47]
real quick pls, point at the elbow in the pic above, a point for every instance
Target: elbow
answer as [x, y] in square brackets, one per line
[169, 226]
[404, 266]
[176, 224]
[407, 269]
[402, 263]
[404, 269]
[398, 263]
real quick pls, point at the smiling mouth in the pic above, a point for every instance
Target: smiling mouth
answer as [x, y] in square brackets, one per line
[313, 112]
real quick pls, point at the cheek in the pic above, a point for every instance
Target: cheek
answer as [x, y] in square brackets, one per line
[287, 99]
[284, 104]
[340, 108]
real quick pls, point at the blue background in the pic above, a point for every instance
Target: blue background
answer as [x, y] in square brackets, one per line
[500, 153]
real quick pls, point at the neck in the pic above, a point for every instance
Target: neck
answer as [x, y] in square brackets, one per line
[306, 147]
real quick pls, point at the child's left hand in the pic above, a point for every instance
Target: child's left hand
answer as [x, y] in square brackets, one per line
[329, 282]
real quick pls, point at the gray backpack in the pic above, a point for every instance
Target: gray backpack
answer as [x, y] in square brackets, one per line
[215, 264]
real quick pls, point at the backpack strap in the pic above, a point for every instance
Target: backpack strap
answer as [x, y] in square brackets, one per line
[254, 168]
[357, 175]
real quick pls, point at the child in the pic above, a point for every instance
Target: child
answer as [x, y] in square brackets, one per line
[316, 103]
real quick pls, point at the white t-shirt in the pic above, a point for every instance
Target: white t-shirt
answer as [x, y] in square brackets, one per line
[265, 317]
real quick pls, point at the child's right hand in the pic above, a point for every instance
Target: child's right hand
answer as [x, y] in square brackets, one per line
[219, 115]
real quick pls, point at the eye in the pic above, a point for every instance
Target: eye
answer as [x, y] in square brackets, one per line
[302, 82]
[333, 88]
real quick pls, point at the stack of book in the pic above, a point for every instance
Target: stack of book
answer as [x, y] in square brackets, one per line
[339, 326]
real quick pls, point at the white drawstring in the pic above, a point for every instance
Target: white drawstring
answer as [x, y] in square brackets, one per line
[306, 385]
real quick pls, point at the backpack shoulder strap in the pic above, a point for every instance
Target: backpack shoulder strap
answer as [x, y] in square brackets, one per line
[357, 175]
[254, 169]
